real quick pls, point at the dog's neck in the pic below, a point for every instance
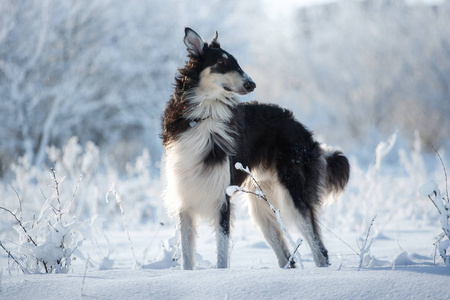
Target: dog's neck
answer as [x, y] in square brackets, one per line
[216, 106]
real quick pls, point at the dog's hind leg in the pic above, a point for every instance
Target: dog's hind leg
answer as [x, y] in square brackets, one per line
[310, 230]
[303, 186]
[188, 230]
[268, 224]
[307, 223]
[223, 234]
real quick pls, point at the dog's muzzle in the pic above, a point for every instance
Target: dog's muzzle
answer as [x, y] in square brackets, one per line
[249, 85]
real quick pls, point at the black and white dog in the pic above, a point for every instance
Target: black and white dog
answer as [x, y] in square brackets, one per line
[206, 130]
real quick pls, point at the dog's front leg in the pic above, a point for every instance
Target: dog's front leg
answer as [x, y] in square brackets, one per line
[223, 234]
[188, 231]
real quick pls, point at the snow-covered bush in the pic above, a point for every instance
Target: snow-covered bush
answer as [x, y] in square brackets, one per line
[84, 174]
[84, 167]
[386, 188]
[48, 241]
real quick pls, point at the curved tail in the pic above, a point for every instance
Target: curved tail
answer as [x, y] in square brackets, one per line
[338, 172]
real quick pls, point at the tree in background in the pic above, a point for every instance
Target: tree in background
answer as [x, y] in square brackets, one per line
[81, 68]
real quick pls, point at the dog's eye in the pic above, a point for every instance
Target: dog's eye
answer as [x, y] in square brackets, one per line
[222, 61]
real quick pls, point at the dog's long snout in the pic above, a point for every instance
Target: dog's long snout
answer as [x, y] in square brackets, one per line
[249, 85]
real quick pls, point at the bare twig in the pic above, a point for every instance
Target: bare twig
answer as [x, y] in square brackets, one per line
[443, 211]
[84, 276]
[20, 224]
[20, 200]
[161, 224]
[55, 180]
[24, 270]
[445, 172]
[114, 192]
[76, 189]
[365, 248]
[442, 205]
[291, 258]
[436, 246]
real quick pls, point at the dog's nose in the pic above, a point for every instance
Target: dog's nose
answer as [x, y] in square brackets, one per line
[249, 85]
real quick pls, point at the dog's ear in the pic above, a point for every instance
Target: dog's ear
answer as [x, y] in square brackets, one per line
[193, 42]
[215, 41]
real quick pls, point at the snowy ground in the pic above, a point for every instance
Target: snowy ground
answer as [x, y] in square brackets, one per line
[405, 283]
[401, 267]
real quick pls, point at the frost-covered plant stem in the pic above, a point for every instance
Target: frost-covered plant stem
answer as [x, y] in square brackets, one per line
[260, 194]
[444, 215]
[113, 191]
[20, 224]
[443, 210]
[365, 248]
[442, 204]
[84, 276]
[58, 211]
[445, 173]
[24, 269]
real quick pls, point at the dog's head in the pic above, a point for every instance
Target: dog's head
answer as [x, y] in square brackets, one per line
[220, 72]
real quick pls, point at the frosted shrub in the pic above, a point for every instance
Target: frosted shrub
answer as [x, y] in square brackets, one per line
[369, 193]
[386, 188]
[74, 164]
[42, 228]
[47, 242]
[82, 165]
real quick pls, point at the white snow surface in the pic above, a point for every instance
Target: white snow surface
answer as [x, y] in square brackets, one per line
[400, 266]
[421, 283]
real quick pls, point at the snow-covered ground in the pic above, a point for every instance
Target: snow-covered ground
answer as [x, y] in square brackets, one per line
[402, 267]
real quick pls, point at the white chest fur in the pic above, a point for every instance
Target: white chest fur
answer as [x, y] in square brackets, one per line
[192, 185]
